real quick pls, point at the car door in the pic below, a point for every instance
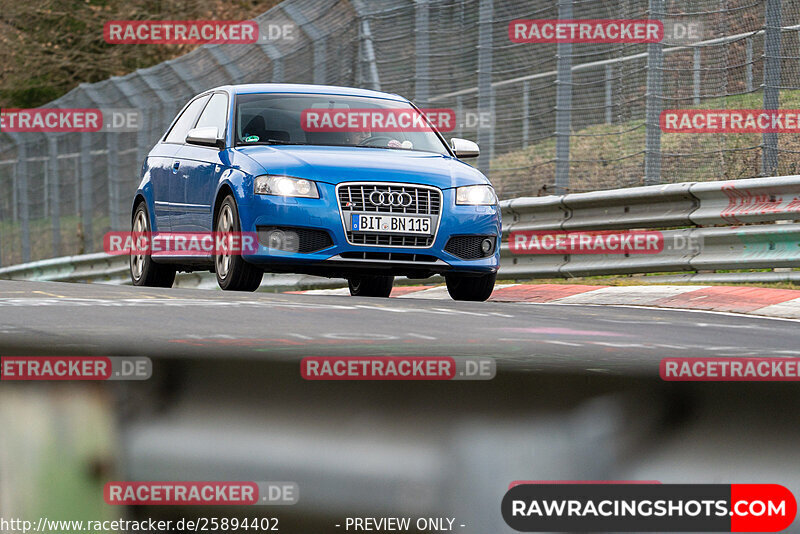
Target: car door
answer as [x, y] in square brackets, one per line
[201, 167]
[159, 163]
[167, 186]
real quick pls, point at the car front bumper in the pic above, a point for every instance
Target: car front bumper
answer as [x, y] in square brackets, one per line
[345, 258]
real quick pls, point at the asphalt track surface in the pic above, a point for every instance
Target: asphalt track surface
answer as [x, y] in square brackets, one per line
[50, 318]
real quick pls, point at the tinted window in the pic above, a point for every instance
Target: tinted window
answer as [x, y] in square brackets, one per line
[215, 114]
[185, 122]
[296, 119]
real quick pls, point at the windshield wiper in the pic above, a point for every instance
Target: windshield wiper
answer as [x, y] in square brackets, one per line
[282, 142]
[269, 142]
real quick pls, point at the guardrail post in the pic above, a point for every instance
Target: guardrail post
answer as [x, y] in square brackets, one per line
[653, 106]
[526, 111]
[366, 48]
[485, 22]
[15, 192]
[369, 56]
[143, 140]
[276, 60]
[696, 75]
[55, 193]
[749, 66]
[422, 52]
[772, 81]
[45, 188]
[147, 113]
[609, 95]
[112, 157]
[317, 38]
[320, 60]
[24, 203]
[225, 63]
[563, 104]
[155, 118]
[459, 116]
[492, 114]
[86, 191]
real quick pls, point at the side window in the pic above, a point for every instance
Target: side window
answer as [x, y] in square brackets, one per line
[185, 122]
[215, 114]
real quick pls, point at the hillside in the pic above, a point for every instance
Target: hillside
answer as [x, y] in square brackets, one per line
[607, 156]
[47, 47]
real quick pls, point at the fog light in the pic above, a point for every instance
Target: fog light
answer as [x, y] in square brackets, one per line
[280, 240]
[487, 245]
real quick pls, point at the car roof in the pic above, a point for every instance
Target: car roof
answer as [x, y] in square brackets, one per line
[251, 88]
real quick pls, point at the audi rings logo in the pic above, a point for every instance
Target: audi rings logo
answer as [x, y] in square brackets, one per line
[395, 199]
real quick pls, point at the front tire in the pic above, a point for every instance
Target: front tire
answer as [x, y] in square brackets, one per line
[233, 273]
[144, 271]
[474, 288]
[370, 286]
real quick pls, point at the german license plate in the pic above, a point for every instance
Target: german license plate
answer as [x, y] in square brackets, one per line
[390, 224]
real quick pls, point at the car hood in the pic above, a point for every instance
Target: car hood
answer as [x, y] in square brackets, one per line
[346, 164]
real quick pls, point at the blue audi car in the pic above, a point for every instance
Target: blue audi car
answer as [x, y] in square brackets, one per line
[334, 181]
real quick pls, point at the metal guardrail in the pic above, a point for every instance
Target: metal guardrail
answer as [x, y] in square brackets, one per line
[101, 268]
[98, 267]
[107, 269]
[728, 221]
[688, 214]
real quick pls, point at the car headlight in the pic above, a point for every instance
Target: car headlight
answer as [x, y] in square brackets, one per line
[476, 195]
[285, 186]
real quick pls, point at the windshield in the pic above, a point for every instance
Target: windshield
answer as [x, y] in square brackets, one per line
[329, 120]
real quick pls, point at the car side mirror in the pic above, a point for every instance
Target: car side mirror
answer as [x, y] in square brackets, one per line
[464, 148]
[205, 136]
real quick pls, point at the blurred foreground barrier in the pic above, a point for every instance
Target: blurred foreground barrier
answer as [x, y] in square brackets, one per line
[705, 226]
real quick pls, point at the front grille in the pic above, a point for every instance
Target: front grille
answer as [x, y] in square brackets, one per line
[425, 201]
[355, 197]
[468, 247]
[390, 256]
[307, 240]
[389, 240]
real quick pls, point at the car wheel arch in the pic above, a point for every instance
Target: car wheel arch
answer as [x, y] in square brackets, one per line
[224, 190]
[137, 199]
[141, 197]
